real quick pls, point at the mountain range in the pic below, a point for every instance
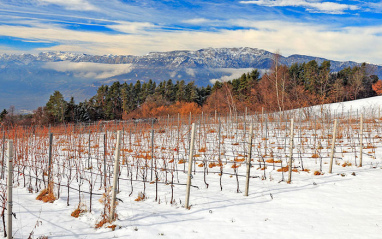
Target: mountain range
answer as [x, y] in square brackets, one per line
[28, 80]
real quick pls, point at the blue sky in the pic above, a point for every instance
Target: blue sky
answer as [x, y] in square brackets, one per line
[335, 29]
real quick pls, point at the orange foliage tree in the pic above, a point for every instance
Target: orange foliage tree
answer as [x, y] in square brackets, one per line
[158, 106]
[377, 87]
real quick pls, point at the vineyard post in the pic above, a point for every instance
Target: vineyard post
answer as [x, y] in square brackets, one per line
[50, 157]
[249, 159]
[104, 158]
[266, 136]
[189, 140]
[190, 159]
[3, 157]
[116, 173]
[245, 121]
[333, 144]
[152, 153]
[361, 141]
[9, 185]
[89, 150]
[291, 152]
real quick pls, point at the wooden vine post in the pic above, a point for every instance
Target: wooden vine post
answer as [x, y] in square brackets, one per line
[291, 152]
[116, 174]
[50, 158]
[190, 159]
[89, 158]
[249, 160]
[3, 157]
[104, 158]
[333, 146]
[360, 141]
[9, 185]
[152, 153]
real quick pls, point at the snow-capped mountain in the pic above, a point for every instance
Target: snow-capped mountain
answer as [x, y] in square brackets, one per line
[27, 80]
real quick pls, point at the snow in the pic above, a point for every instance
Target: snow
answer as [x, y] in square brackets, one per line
[336, 207]
[369, 105]
[345, 204]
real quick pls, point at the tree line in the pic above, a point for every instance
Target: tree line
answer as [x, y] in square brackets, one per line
[280, 88]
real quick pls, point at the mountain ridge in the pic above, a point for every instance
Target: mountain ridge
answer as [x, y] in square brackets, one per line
[27, 76]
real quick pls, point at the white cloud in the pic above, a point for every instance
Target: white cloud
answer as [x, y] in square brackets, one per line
[190, 72]
[131, 27]
[375, 6]
[310, 5]
[197, 21]
[351, 43]
[78, 5]
[232, 73]
[89, 69]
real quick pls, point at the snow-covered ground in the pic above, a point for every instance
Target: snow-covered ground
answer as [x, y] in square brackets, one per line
[344, 204]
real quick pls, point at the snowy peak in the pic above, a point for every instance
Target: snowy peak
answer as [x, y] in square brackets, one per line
[241, 57]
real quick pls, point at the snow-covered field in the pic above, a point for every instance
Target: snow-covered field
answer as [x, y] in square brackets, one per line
[344, 204]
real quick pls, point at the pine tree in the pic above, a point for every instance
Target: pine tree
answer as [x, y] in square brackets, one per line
[57, 106]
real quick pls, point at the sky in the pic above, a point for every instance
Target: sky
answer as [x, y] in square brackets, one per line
[334, 29]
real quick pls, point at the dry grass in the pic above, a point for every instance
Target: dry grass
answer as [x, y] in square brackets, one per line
[315, 156]
[235, 165]
[47, 195]
[239, 160]
[80, 210]
[273, 161]
[283, 169]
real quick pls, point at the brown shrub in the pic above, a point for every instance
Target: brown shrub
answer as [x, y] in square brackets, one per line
[47, 195]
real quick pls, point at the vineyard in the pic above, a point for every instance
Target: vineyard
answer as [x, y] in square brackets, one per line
[71, 168]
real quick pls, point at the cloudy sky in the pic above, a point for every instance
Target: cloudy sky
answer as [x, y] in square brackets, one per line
[334, 29]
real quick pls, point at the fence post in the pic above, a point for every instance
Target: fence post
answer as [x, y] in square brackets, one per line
[3, 157]
[116, 174]
[50, 157]
[249, 159]
[190, 159]
[361, 141]
[104, 158]
[89, 164]
[333, 144]
[152, 153]
[291, 152]
[9, 185]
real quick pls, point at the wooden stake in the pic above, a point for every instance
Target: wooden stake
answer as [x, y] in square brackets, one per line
[152, 153]
[249, 160]
[104, 158]
[89, 164]
[9, 185]
[361, 141]
[291, 152]
[50, 157]
[3, 157]
[116, 174]
[190, 159]
[333, 146]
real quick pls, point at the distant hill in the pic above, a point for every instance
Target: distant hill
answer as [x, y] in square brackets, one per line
[27, 80]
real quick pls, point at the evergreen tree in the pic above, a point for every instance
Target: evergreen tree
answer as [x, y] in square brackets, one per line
[3, 114]
[180, 94]
[57, 106]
